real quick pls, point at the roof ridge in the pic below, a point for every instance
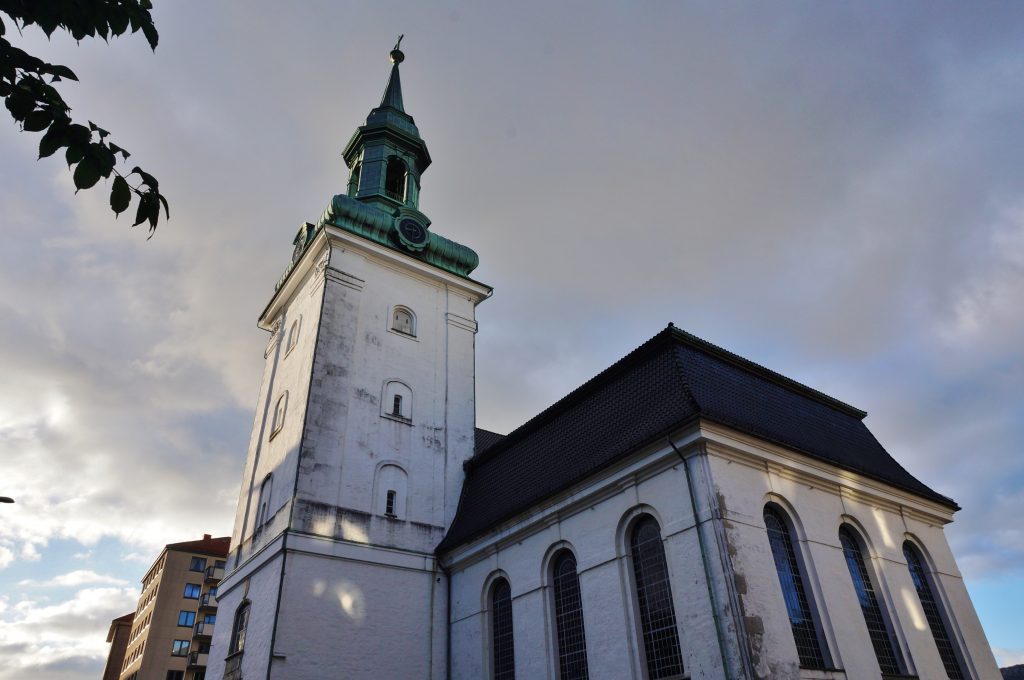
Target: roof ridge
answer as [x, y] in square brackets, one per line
[720, 352]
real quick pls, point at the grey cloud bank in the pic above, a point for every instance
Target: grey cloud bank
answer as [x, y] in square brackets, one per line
[834, 192]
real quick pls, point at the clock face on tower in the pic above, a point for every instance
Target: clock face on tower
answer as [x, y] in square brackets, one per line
[411, 234]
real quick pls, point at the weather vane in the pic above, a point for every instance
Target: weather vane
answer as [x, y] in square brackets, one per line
[396, 54]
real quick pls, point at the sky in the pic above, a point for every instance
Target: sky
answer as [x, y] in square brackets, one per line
[835, 191]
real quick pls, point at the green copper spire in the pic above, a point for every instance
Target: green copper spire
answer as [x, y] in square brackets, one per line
[393, 92]
[387, 156]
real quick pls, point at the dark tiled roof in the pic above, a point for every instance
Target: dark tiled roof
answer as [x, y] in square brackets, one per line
[206, 545]
[485, 439]
[672, 379]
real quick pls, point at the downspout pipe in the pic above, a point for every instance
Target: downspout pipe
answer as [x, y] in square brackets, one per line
[726, 666]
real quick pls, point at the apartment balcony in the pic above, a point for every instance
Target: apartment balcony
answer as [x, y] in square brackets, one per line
[208, 601]
[198, 659]
[203, 629]
[214, 573]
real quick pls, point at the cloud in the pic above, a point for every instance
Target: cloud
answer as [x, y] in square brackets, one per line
[45, 640]
[1008, 657]
[74, 578]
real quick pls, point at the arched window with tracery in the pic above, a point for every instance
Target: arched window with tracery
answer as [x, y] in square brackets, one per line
[932, 612]
[799, 604]
[502, 648]
[654, 601]
[236, 645]
[878, 625]
[572, 639]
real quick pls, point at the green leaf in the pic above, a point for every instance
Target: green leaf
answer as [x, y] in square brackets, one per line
[20, 103]
[120, 195]
[51, 141]
[147, 178]
[142, 212]
[38, 120]
[74, 154]
[149, 30]
[62, 71]
[87, 173]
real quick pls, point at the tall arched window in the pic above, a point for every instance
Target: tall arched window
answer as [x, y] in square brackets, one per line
[932, 612]
[293, 335]
[394, 179]
[502, 652]
[794, 591]
[654, 599]
[572, 639]
[353, 179]
[878, 626]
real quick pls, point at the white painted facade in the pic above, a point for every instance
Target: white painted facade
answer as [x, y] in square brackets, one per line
[333, 578]
[731, 477]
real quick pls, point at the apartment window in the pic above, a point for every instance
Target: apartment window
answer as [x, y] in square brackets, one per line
[198, 564]
[878, 626]
[192, 591]
[389, 507]
[237, 643]
[179, 648]
[219, 564]
[932, 613]
[502, 652]
[572, 640]
[654, 599]
[186, 618]
[175, 675]
[794, 592]
[210, 618]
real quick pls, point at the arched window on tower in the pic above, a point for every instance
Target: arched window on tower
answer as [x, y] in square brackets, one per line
[654, 601]
[396, 401]
[293, 336]
[502, 652]
[879, 627]
[390, 487]
[353, 179]
[799, 604]
[933, 612]
[394, 178]
[263, 505]
[571, 636]
[236, 645]
[279, 412]
[403, 320]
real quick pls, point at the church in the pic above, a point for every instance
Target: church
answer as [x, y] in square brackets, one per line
[686, 513]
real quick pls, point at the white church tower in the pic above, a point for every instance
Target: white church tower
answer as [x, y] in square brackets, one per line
[365, 417]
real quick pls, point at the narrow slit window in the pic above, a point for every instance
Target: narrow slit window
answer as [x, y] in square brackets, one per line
[878, 626]
[932, 613]
[654, 599]
[396, 406]
[389, 503]
[794, 592]
[502, 648]
[572, 639]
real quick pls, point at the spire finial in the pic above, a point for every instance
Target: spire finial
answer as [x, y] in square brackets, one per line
[397, 57]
